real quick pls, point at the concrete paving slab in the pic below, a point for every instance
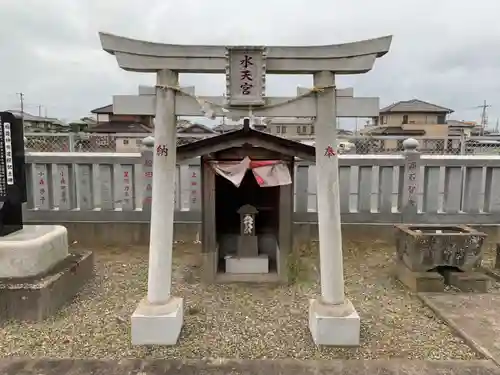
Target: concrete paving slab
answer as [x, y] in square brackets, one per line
[245, 367]
[473, 316]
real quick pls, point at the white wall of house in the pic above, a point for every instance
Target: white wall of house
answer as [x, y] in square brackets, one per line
[102, 117]
[128, 144]
[396, 119]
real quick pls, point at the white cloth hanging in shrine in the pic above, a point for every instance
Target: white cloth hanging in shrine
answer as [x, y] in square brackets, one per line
[271, 173]
[233, 171]
[267, 172]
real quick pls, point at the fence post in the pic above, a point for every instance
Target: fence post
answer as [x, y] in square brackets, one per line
[411, 179]
[147, 172]
[71, 142]
[463, 138]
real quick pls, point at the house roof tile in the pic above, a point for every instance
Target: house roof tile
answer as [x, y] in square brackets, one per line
[119, 127]
[415, 105]
[107, 109]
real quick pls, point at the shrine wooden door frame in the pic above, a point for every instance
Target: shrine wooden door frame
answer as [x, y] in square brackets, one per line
[210, 256]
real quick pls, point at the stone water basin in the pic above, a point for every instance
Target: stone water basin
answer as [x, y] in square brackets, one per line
[424, 247]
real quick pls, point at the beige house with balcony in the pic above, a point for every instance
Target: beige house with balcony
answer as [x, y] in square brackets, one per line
[417, 118]
[411, 117]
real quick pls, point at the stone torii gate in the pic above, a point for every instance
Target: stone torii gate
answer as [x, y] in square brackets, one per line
[159, 318]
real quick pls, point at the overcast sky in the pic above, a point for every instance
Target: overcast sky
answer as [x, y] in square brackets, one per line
[446, 52]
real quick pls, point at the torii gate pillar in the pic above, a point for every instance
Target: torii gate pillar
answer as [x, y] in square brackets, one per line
[159, 317]
[333, 319]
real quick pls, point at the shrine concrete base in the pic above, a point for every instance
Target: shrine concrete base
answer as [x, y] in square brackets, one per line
[32, 250]
[157, 324]
[334, 325]
[247, 265]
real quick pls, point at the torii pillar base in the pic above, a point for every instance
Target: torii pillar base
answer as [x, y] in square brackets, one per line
[334, 325]
[157, 324]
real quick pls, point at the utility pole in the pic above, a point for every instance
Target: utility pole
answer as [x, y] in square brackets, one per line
[21, 98]
[39, 110]
[484, 116]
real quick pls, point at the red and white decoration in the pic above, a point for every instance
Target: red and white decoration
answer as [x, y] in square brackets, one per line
[267, 172]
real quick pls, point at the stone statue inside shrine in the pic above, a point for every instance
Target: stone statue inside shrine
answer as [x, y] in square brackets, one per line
[247, 259]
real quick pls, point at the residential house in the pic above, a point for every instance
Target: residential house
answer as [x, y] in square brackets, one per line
[459, 128]
[105, 115]
[225, 128]
[414, 118]
[116, 136]
[184, 130]
[120, 133]
[302, 129]
[39, 124]
[290, 126]
[227, 125]
[182, 123]
[82, 125]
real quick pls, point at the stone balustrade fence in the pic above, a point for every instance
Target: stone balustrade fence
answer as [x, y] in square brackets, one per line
[382, 189]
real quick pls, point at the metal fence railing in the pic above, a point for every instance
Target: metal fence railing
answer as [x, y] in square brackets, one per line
[84, 142]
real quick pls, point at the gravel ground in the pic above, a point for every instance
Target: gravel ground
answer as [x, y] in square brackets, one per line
[238, 321]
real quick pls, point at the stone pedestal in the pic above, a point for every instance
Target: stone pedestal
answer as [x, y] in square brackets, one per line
[247, 260]
[247, 265]
[429, 282]
[38, 274]
[334, 325]
[157, 324]
[32, 250]
[469, 281]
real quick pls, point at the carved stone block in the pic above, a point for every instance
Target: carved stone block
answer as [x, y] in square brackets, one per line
[424, 247]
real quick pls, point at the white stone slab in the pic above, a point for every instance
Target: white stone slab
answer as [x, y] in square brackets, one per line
[32, 250]
[334, 326]
[246, 265]
[157, 324]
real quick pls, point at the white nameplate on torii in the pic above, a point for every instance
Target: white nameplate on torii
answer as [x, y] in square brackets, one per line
[245, 76]
[347, 106]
